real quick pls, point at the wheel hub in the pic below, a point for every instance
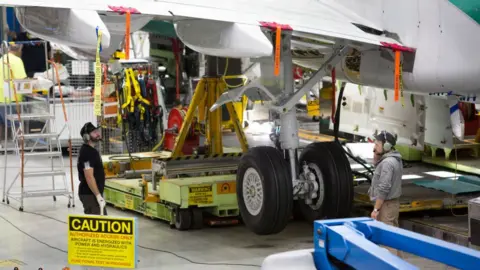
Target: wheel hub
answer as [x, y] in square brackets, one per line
[252, 191]
[313, 179]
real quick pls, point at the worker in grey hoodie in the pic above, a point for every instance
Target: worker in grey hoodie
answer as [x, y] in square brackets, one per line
[386, 187]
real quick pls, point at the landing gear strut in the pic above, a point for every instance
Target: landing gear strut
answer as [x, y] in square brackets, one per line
[321, 182]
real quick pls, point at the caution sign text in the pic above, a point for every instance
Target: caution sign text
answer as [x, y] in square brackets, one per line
[102, 241]
[129, 201]
[200, 194]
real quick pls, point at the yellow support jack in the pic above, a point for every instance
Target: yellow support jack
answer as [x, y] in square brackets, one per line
[208, 90]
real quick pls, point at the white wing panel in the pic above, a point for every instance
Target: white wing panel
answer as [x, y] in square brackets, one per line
[321, 17]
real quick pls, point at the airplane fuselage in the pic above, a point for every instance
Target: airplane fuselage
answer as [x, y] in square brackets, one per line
[445, 35]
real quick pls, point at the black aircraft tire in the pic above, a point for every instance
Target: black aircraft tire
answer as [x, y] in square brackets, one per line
[266, 204]
[345, 177]
[197, 218]
[337, 181]
[183, 219]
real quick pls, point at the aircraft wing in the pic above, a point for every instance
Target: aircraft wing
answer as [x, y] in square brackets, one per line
[319, 18]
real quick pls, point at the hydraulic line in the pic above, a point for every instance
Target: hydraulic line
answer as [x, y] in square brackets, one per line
[336, 127]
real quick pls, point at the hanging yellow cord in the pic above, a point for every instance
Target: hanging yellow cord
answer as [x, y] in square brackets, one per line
[229, 77]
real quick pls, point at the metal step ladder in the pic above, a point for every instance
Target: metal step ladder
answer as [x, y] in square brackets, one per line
[47, 135]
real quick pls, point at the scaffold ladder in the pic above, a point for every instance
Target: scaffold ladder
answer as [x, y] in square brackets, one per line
[48, 136]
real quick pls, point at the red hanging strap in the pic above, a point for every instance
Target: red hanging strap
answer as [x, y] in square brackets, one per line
[123, 10]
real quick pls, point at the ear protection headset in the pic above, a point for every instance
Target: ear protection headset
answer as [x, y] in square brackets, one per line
[386, 146]
[86, 137]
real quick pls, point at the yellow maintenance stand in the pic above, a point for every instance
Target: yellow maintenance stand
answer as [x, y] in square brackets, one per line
[184, 190]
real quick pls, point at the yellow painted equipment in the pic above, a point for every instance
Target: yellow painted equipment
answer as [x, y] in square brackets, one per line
[313, 105]
[240, 108]
[118, 55]
[179, 187]
[208, 90]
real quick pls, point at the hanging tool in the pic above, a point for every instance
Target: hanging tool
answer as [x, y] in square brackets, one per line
[144, 112]
[155, 109]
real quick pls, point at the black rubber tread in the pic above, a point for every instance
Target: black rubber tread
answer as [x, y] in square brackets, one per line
[197, 218]
[183, 219]
[338, 181]
[345, 178]
[277, 187]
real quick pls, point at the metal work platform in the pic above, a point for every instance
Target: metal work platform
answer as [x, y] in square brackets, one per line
[463, 164]
[417, 198]
[453, 229]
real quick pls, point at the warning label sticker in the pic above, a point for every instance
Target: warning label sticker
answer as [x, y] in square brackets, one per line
[200, 194]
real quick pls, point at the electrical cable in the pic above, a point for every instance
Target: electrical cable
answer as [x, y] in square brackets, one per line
[31, 236]
[336, 127]
[140, 246]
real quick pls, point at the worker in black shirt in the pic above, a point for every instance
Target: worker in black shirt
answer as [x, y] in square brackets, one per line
[90, 172]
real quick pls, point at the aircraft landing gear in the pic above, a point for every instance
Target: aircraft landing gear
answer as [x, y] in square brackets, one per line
[267, 183]
[327, 189]
[264, 190]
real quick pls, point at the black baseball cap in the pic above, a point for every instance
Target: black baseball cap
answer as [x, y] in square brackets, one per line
[386, 136]
[87, 128]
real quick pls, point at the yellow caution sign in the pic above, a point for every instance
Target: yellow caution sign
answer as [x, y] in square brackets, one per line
[200, 194]
[97, 103]
[102, 241]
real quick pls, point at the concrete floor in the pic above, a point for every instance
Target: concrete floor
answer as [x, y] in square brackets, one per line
[37, 237]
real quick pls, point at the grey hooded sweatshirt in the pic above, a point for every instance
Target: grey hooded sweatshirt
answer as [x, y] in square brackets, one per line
[387, 178]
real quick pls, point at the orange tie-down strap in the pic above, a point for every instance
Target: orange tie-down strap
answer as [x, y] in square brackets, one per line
[398, 49]
[278, 28]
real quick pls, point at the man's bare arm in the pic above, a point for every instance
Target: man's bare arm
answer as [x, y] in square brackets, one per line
[378, 203]
[92, 184]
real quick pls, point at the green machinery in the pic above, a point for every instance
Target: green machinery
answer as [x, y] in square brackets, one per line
[184, 190]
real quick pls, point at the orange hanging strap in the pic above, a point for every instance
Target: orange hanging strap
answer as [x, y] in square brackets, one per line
[127, 36]
[278, 46]
[396, 83]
